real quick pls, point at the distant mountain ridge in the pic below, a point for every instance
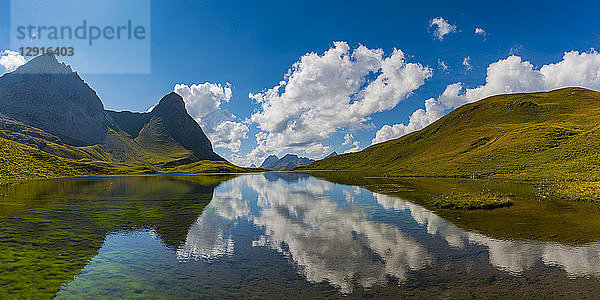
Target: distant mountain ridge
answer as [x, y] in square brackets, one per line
[288, 162]
[271, 159]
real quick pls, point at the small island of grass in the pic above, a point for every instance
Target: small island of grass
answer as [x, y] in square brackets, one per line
[481, 200]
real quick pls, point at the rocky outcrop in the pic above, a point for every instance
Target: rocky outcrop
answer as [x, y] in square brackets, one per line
[48, 95]
[167, 128]
[271, 159]
[288, 162]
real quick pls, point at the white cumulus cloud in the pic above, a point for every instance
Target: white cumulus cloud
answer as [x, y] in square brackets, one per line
[323, 93]
[419, 119]
[349, 140]
[203, 102]
[480, 31]
[510, 75]
[514, 75]
[441, 28]
[11, 60]
[355, 148]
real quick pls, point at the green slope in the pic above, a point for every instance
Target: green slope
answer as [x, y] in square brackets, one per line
[23, 162]
[208, 166]
[519, 136]
[155, 138]
[20, 161]
[117, 148]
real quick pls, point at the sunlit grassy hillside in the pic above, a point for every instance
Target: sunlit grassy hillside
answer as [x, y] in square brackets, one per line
[520, 136]
[19, 161]
[23, 162]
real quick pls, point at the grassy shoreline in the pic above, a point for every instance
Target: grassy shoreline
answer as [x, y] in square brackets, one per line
[211, 170]
[21, 162]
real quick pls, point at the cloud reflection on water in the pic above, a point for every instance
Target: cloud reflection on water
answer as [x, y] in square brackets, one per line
[514, 257]
[340, 243]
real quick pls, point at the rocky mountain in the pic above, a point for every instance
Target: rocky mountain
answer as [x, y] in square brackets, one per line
[46, 105]
[288, 162]
[130, 122]
[167, 128]
[48, 95]
[271, 159]
[518, 136]
[181, 127]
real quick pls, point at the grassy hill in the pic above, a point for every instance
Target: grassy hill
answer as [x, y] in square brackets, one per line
[20, 161]
[117, 148]
[547, 135]
[30, 153]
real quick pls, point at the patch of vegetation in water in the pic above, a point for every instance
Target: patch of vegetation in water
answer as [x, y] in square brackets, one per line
[572, 191]
[481, 200]
[50, 229]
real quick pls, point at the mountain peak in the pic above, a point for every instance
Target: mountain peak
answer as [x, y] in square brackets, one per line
[271, 159]
[170, 103]
[47, 94]
[44, 64]
[181, 127]
[288, 162]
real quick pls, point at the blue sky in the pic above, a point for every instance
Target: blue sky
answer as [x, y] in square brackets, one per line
[252, 45]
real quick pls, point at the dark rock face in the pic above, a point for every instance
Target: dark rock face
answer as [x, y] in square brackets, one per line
[130, 122]
[168, 121]
[183, 128]
[271, 159]
[289, 162]
[48, 95]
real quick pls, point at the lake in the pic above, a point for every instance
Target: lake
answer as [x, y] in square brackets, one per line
[280, 235]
